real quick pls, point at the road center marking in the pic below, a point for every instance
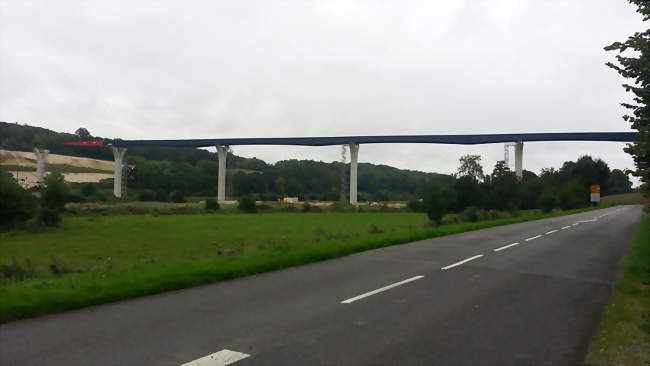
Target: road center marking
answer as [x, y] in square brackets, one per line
[353, 299]
[565, 227]
[506, 247]
[221, 358]
[534, 237]
[592, 220]
[576, 224]
[463, 261]
[551, 232]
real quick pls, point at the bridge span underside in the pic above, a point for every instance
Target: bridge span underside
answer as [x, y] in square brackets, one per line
[516, 140]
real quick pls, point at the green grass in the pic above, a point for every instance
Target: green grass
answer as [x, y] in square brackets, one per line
[116, 257]
[623, 336]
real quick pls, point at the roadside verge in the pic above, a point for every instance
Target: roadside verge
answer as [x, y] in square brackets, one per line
[623, 335]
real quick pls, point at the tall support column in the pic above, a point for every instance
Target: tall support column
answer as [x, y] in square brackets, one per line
[118, 166]
[519, 156]
[222, 153]
[354, 155]
[41, 163]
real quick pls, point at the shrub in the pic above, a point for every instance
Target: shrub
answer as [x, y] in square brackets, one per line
[88, 189]
[75, 198]
[16, 203]
[49, 217]
[58, 268]
[415, 205]
[450, 219]
[211, 204]
[374, 229]
[56, 192]
[470, 214]
[162, 196]
[18, 271]
[247, 204]
[99, 196]
[264, 207]
[306, 207]
[146, 195]
[339, 206]
[289, 208]
[177, 196]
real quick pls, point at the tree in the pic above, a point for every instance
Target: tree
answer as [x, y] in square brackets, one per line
[16, 204]
[55, 194]
[83, 133]
[247, 204]
[437, 202]
[470, 166]
[635, 67]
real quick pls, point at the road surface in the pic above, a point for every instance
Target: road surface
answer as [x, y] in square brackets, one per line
[475, 298]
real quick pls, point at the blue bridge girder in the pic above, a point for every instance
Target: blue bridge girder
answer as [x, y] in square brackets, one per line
[395, 139]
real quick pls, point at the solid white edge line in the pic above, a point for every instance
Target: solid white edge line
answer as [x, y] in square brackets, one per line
[551, 232]
[505, 247]
[534, 237]
[221, 358]
[461, 262]
[353, 299]
[565, 227]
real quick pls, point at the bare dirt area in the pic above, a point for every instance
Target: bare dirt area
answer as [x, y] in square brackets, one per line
[28, 159]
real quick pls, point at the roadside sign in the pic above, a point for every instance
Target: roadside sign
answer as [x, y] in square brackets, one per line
[595, 193]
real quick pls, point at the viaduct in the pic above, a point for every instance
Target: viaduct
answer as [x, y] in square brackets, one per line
[120, 147]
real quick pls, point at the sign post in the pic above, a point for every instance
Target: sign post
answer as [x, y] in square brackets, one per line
[595, 193]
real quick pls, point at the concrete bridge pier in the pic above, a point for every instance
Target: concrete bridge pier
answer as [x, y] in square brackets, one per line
[222, 153]
[519, 156]
[41, 163]
[118, 154]
[354, 156]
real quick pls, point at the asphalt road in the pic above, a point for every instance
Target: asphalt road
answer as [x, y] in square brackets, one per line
[534, 303]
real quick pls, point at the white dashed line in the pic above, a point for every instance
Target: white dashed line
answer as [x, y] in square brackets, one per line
[221, 358]
[534, 237]
[506, 247]
[565, 227]
[576, 224]
[463, 261]
[551, 232]
[353, 299]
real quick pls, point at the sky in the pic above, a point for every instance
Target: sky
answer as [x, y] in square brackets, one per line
[211, 69]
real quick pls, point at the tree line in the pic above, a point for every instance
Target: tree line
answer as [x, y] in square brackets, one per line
[567, 187]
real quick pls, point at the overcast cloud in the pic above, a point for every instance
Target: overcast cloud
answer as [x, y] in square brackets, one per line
[208, 69]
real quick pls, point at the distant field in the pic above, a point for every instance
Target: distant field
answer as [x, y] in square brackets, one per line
[623, 199]
[56, 168]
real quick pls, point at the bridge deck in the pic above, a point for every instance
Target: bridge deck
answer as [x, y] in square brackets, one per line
[397, 139]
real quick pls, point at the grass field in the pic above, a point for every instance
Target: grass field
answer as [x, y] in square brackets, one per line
[97, 259]
[623, 336]
[623, 199]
